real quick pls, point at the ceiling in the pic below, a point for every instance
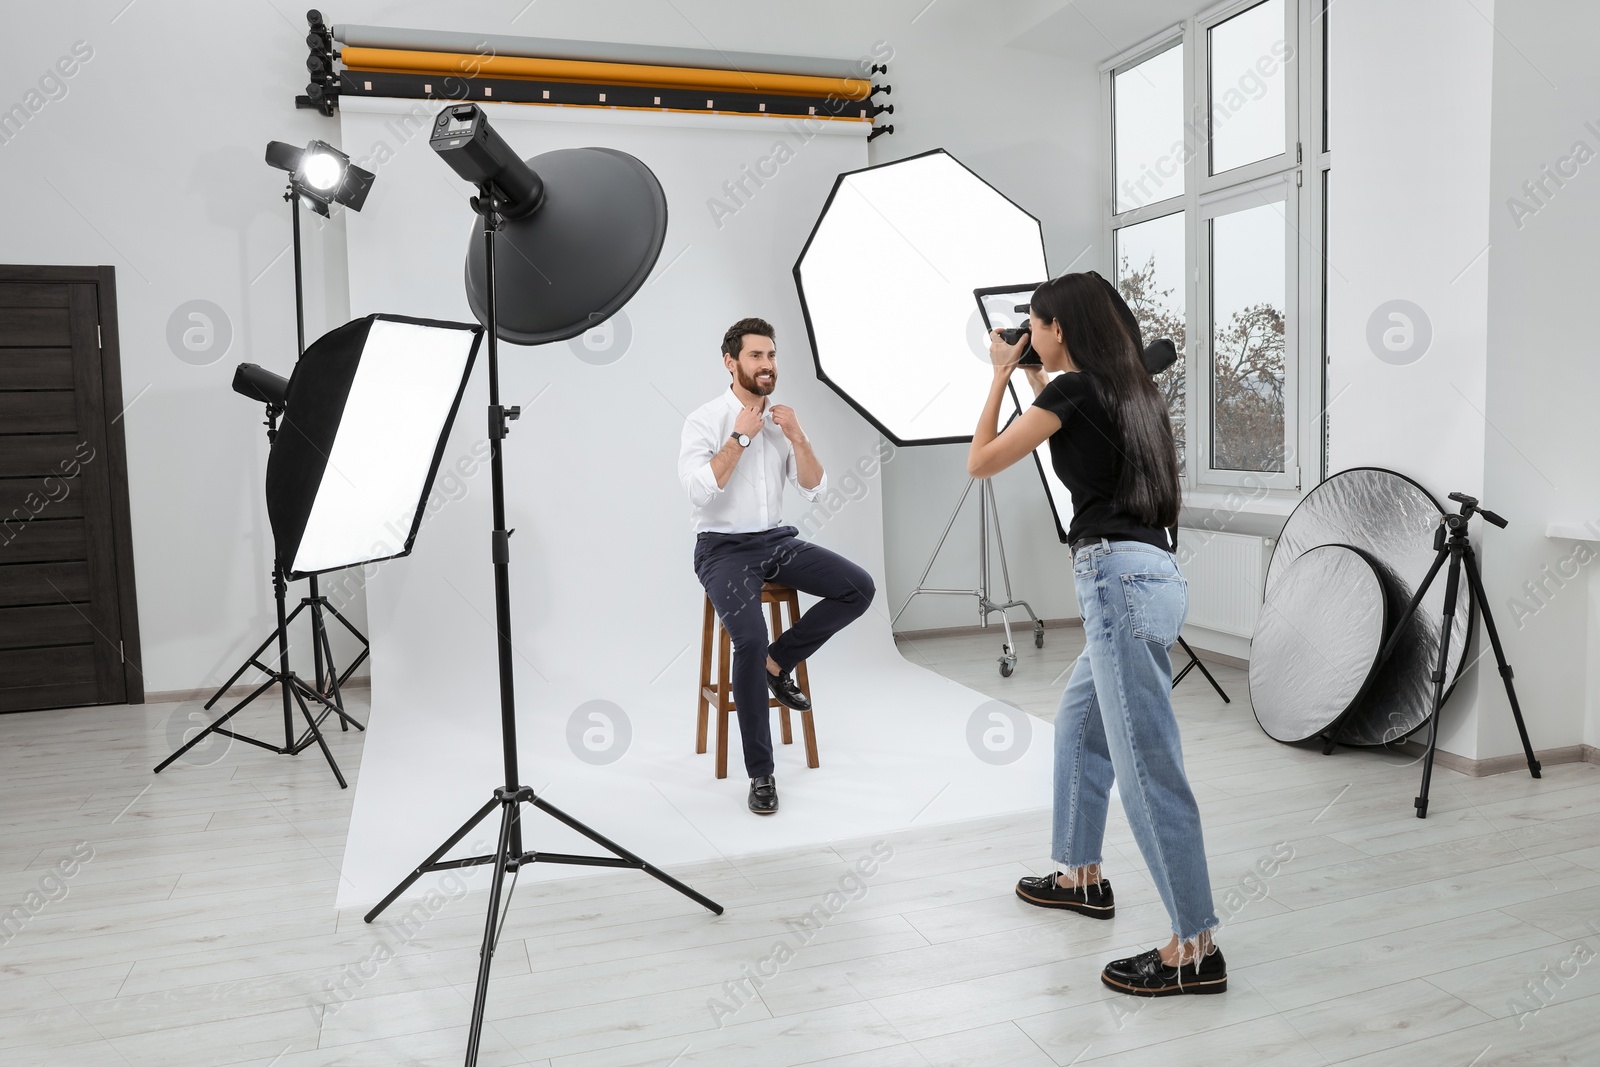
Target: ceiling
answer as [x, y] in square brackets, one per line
[1095, 30]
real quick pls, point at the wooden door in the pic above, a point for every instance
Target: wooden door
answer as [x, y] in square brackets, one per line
[69, 630]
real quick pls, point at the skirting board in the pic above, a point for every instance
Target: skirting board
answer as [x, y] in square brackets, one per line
[1481, 768]
[179, 696]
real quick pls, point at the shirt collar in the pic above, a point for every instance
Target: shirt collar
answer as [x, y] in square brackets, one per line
[733, 402]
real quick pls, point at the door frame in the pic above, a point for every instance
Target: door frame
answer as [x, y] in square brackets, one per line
[104, 278]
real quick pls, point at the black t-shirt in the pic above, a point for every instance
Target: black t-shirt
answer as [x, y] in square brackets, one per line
[1087, 456]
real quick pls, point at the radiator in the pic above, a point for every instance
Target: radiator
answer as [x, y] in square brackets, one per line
[1225, 573]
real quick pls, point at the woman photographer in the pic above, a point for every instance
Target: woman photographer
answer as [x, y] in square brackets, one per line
[1112, 446]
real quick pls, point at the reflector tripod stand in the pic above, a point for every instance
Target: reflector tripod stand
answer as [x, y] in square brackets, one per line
[510, 855]
[1451, 541]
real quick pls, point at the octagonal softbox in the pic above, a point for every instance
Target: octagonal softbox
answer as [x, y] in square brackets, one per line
[886, 282]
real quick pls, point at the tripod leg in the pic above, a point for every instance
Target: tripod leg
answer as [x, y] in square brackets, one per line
[366, 646]
[1452, 585]
[254, 656]
[316, 634]
[1194, 661]
[1475, 584]
[502, 858]
[203, 734]
[323, 673]
[612, 846]
[426, 865]
[1000, 547]
[279, 588]
[311, 723]
[335, 682]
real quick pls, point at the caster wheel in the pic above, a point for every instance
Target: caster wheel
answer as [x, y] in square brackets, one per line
[1005, 669]
[1038, 636]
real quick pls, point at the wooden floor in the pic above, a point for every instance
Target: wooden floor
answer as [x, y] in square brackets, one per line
[188, 919]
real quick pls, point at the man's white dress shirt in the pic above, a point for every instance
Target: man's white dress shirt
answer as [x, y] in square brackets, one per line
[753, 498]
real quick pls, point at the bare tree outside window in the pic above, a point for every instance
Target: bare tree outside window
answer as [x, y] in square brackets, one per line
[1158, 317]
[1248, 377]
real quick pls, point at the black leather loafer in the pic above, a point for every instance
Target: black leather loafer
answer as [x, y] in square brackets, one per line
[1094, 901]
[1145, 975]
[788, 695]
[763, 795]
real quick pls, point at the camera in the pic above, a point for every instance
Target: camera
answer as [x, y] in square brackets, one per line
[1011, 336]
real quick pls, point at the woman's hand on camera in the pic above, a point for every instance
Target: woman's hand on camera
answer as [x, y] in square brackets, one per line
[1004, 356]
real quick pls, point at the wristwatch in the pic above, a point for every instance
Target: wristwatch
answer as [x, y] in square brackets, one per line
[743, 439]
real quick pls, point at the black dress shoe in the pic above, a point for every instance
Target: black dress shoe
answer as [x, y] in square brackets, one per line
[1095, 901]
[784, 689]
[1145, 975]
[763, 795]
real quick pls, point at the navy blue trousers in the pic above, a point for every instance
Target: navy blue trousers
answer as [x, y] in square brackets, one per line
[732, 568]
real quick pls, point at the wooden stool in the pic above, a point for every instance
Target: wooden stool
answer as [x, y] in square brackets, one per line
[720, 695]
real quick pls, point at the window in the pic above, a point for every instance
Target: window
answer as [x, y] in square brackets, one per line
[1218, 169]
[1149, 259]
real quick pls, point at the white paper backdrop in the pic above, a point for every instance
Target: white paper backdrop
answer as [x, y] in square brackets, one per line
[606, 606]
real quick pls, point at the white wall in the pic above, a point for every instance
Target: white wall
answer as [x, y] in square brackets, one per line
[152, 161]
[1408, 218]
[1543, 380]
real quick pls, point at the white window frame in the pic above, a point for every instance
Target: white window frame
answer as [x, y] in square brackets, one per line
[1297, 179]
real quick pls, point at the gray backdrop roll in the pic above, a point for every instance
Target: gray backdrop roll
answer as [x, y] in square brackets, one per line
[606, 605]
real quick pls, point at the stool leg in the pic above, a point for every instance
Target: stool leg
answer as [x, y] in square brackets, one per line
[807, 727]
[774, 610]
[724, 704]
[705, 679]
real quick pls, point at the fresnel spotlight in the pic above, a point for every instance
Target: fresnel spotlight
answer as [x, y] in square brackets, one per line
[321, 175]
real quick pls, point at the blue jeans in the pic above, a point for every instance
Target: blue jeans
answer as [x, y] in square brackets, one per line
[1116, 723]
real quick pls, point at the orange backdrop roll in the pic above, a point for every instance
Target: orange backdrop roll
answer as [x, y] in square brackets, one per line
[467, 65]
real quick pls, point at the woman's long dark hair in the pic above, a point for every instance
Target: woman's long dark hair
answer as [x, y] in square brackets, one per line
[1103, 339]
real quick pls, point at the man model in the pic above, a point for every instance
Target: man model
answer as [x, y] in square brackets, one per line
[737, 452]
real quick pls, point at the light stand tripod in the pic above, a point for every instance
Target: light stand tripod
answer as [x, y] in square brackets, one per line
[329, 680]
[1451, 541]
[510, 856]
[1194, 660]
[987, 513]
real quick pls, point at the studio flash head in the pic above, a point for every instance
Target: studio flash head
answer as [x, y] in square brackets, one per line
[475, 150]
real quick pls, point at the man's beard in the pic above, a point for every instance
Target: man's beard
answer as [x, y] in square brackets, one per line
[755, 387]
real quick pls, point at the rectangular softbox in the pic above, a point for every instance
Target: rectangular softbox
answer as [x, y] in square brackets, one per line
[366, 416]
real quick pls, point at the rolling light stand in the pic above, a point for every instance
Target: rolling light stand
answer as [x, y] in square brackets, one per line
[1451, 541]
[510, 855]
[987, 513]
